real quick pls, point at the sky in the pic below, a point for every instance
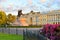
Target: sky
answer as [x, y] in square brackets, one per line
[12, 6]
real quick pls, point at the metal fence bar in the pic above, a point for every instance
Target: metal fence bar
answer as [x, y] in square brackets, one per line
[17, 31]
[33, 35]
[11, 30]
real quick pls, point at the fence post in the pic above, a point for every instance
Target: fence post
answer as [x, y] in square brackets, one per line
[16, 31]
[24, 34]
[9, 30]
[2, 30]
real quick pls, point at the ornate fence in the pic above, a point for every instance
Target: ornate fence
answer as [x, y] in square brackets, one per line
[17, 31]
[33, 35]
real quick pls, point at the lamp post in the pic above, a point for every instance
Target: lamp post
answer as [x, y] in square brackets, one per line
[36, 20]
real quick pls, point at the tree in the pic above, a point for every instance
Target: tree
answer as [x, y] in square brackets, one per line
[11, 18]
[2, 17]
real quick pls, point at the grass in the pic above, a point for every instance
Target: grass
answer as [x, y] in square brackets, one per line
[10, 37]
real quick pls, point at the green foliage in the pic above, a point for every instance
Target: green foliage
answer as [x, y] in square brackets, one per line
[58, 31]
[2, 17]
[9, 26]
[58, 28]
[11, 18]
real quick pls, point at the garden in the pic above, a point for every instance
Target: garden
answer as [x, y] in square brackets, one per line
[49, 31]
[52, 31]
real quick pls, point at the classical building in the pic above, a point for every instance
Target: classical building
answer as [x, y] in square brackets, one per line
[37, 18]
[54, 17]
[32, 18]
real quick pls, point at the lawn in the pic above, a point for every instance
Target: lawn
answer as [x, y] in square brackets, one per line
[10, 37]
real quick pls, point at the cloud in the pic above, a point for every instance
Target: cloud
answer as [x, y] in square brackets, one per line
[30, 5]
[58, 3]
[43, 1]
[3, 0]
[0, 6]
[30, 2]
[48, 3]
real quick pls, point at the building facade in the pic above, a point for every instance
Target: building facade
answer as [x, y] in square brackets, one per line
[37, 18]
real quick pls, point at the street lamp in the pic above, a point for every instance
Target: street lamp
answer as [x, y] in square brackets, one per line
[36, 20]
